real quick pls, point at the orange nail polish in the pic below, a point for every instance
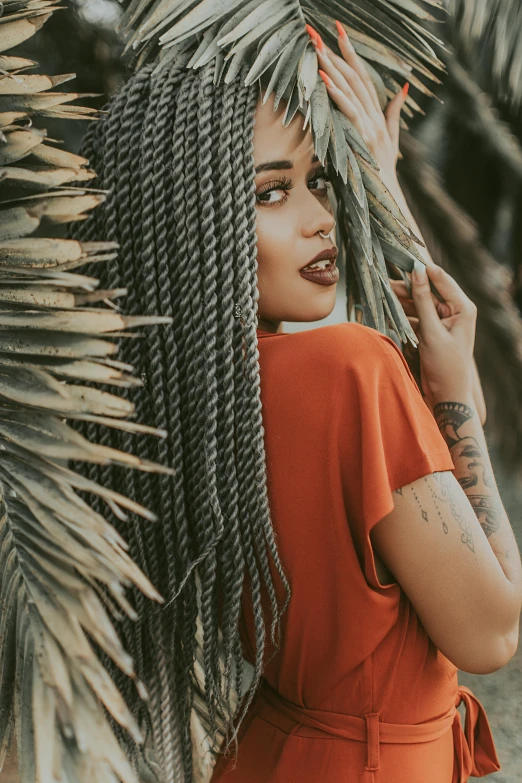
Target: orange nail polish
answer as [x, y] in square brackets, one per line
[319, 43]
[326, 78]
[406, 88]
[311, 32]
[340, 29]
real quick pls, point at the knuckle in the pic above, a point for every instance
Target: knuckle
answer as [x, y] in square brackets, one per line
[467, 313]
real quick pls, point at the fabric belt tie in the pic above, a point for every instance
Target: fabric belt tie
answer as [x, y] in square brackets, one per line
[475, 752]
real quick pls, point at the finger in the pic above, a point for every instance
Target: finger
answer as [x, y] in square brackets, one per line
[332, 69]
[422, 297]
[400, 288]
[347, 107]
[345, 76]
[393, 114]
[414, 323]
[353, 59]
[408, 305]
[403, 292]
[353, 78]
[450, 290]
[338, 77]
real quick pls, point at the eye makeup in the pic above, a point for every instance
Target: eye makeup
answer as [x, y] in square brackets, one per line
[287, 184]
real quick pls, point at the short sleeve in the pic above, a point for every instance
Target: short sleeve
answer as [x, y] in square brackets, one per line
[389, 436]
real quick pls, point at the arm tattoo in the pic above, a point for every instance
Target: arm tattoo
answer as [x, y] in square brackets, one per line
[466, 533]
[471, 464]
[446, 496]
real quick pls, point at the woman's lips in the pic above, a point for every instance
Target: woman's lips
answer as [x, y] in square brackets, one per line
[328, 276]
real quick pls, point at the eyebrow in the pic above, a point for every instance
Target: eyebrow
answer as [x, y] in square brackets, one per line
[278, 165]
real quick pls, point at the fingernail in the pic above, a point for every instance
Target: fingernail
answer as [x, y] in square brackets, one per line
[326, 78]
[340, 29]
[419, 271]
[406, 88]
[319, 43]
[344, 36]
[311, 32]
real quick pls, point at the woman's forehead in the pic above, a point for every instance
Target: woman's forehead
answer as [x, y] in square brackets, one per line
[274, 141]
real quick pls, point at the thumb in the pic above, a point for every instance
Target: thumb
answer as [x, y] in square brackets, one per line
[421, 294]
[393, 114]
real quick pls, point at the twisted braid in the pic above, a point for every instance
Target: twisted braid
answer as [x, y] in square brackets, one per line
[232, 571]
[163, 702]
[167, 145]
[243, 434]
[176, 238]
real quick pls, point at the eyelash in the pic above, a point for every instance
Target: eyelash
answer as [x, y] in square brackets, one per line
[287, 184]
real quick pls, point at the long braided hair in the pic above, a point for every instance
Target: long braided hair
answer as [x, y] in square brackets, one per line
[175, 152]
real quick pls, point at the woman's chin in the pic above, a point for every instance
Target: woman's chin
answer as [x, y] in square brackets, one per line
[316, 311]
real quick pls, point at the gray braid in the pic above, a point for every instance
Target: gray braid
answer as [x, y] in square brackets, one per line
[176, 153]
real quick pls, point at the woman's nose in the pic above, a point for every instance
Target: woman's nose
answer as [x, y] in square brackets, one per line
[316, 216]
[322, 224]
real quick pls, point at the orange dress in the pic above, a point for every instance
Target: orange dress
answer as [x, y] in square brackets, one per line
[358, 693]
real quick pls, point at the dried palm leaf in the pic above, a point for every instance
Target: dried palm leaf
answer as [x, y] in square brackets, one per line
[270, 35]
[62, 564]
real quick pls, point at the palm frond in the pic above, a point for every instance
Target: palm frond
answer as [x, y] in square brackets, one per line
[63, 565]
[391, 36]
[479, 114]
[488, 34]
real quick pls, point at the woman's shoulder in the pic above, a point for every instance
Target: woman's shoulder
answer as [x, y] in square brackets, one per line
[342, 345]
[343, 355]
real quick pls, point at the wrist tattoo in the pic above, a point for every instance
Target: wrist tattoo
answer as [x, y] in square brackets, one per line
[472, 470]
[449, 417]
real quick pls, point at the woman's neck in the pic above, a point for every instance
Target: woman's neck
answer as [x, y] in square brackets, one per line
[269, 326]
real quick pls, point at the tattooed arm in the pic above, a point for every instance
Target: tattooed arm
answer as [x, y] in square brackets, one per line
[449, 545]
[448, 541]
[463, 433]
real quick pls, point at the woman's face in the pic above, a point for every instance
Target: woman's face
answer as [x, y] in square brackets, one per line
[293, 206]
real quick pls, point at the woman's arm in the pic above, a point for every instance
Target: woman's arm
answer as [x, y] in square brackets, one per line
[446, 338]
[458, 422]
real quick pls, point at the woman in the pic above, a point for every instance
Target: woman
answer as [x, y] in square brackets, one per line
[289, 450]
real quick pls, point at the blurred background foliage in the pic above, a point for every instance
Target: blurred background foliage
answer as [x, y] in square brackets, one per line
[462, 173]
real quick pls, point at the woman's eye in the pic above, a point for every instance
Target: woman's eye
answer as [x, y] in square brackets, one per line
[263, 197]
[323, 177]
[274, 187]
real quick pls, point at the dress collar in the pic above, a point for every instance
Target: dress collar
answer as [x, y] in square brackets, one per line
[265, 333]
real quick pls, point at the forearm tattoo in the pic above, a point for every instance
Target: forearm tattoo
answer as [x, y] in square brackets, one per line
[471, 464]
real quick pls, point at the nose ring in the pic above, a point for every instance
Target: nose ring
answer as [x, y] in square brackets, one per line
[326, 236]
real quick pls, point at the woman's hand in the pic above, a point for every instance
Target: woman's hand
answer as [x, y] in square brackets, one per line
[446, 334]
[351, 88]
